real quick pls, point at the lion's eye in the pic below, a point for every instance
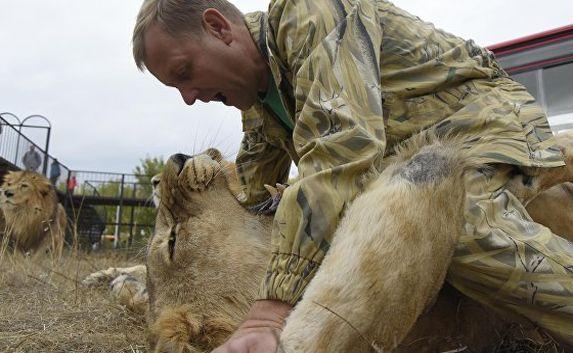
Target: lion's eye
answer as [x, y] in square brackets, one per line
[23, 186]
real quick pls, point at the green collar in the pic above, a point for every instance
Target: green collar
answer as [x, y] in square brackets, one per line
[272, 101]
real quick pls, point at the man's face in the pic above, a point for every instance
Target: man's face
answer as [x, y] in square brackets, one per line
[208, 67]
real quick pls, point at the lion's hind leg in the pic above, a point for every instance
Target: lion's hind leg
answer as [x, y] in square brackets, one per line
[104, 277]
[130, 292]
[127, 285]
[388, 259]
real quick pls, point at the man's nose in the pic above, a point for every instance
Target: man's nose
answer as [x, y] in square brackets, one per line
[189, 96]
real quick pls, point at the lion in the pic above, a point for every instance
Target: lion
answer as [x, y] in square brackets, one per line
[554, 209]
[208, 256]
[35, 221]
[534, 181]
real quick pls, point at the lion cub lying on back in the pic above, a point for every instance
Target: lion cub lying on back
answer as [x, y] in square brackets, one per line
[208, 256]
[34, 218]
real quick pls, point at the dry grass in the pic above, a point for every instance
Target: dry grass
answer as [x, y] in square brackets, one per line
[44, 307]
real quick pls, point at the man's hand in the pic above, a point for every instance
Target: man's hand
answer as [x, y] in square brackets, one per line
[261, 331]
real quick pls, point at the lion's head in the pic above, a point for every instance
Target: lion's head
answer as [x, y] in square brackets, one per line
[31, 211]
[207, 256]
[25, 189]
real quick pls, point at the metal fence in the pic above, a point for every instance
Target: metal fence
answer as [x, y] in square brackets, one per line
[120, 185]
[122, 201]
[23, 153]
[131, 214]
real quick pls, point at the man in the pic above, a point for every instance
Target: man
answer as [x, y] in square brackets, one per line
[72, 183]
[335, 86]
[55, 172]
[32, 159]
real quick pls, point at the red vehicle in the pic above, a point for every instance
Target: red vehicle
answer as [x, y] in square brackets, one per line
[543, 62]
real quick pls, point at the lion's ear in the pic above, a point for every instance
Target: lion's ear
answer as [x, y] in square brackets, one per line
[7, 177]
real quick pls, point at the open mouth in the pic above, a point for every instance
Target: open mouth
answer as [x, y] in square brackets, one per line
[5, 201]
[171, 242]
[221, 98]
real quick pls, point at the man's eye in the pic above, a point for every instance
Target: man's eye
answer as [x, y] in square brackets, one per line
[183, 72]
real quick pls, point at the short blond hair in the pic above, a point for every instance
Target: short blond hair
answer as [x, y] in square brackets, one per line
[177, 17]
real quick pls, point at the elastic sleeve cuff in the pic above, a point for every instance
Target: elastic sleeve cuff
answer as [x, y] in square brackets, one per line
[287, 277]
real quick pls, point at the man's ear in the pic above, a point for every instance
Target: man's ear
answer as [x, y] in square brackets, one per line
[216, 24]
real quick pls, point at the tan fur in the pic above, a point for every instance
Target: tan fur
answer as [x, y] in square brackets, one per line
[206, 258]
[540, 180]
[200, 292]
[386, 262]
[130, 292]
[34, 219]
[554, 209]
[127, 285]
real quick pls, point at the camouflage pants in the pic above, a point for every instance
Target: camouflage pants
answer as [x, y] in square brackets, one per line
[510, 263]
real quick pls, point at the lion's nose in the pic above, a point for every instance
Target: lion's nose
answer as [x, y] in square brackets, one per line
[179, 159]
[8, 193]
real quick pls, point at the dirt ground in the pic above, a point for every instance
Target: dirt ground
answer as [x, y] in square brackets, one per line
[44, 307]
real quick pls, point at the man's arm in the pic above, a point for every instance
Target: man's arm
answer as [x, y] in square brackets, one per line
[339, 132]
[339, 135]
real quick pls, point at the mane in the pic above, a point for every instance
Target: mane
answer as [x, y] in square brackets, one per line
[28, 223]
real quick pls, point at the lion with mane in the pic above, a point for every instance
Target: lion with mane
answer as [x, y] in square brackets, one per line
[34, 220]
[208, 256]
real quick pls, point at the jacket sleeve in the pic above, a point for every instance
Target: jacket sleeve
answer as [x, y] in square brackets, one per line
[259, 162]
[333, 50]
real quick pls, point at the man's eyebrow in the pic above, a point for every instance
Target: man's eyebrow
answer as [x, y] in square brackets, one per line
[172, 73]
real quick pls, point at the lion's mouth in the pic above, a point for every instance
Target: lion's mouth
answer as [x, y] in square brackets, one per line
[171, 243]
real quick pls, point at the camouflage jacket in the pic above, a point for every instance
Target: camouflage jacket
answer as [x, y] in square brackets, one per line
[356, 77]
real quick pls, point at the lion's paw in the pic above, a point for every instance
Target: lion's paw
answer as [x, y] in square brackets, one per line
[97, 278]
[174, 329]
